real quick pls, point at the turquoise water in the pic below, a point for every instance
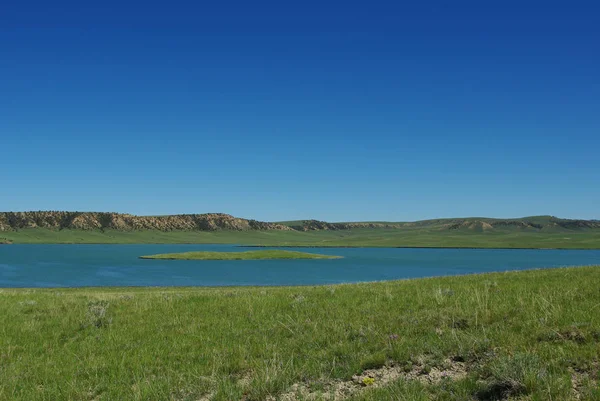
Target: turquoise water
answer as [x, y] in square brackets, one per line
[118, 265]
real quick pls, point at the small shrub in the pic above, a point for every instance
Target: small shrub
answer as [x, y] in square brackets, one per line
[425, 370]
[500, 390]
[407, 366]
[97, 314]
[511, 376]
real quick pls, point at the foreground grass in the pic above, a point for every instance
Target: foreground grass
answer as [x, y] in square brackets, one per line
[250, 255]
[530, 335]
[405, 237]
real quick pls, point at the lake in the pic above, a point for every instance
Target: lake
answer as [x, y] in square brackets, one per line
[118, 265]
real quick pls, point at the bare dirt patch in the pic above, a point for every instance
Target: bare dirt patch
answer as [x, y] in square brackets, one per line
[582, 381]
[374, 378]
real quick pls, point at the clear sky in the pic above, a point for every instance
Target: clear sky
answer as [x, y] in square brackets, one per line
[278, 110]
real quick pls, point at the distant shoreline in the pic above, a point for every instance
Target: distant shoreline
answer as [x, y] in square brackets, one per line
[416, 247]
[304, 246]
[429, 237]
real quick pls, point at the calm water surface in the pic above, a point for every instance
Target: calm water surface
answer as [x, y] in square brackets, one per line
[118, 265]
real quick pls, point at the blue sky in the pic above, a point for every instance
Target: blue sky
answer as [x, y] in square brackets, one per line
[273, 110]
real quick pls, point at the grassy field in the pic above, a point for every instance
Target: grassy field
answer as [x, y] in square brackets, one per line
[249, 255]
[409, 237]
[530, 335]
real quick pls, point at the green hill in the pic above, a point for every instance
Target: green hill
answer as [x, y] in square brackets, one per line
[476, 232]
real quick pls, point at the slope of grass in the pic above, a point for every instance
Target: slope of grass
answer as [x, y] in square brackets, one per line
[406, 237]
[531, 335]
[533, 219]
[250, 255]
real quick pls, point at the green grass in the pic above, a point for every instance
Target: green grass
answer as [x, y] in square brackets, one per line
[413, 236]
[530, 335]
[250, 255]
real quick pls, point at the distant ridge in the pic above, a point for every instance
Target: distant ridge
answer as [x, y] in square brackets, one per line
[533, 223]
[58, 220]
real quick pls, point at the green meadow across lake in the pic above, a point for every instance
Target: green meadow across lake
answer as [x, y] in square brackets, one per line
[536, 232]
[249, 255]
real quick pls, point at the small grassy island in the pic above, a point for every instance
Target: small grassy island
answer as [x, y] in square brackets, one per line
[249, 255]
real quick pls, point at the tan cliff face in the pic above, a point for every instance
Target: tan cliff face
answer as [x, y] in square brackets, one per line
[55, 220]
[126, 222]
[313, 225]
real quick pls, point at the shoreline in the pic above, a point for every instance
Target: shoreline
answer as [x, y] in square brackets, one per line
[306, 246]
[415, 247]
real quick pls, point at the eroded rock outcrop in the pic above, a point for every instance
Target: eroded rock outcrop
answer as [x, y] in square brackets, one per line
[127, 222]
[313, 225]
[55, 220]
